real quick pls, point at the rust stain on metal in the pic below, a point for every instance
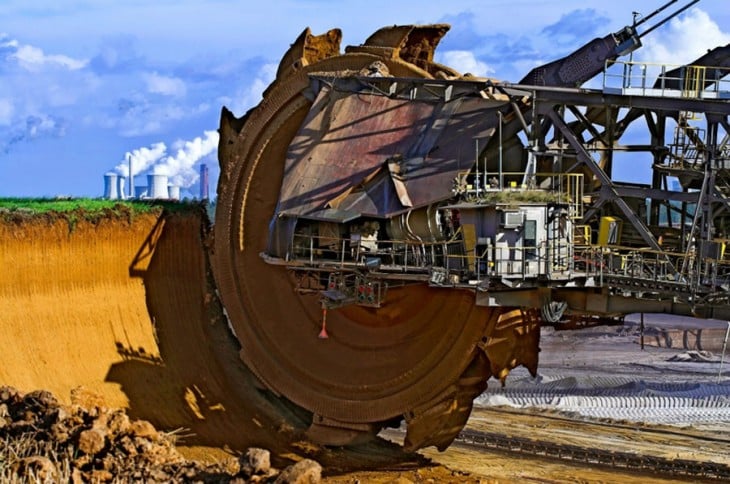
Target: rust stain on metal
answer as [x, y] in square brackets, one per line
[346, 139]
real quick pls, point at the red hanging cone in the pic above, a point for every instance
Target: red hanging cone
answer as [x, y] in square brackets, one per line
[323, 333]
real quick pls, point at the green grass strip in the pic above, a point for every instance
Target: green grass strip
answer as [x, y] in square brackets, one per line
[88, 205]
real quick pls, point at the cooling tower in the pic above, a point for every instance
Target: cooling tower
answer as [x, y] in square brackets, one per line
[174, 192]
[157, 186]
[110, 186]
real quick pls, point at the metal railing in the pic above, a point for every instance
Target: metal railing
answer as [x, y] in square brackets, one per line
[652, 270]
[448, 263]
[348, 252]
[650, 79]
[552, 259]
[562, 187]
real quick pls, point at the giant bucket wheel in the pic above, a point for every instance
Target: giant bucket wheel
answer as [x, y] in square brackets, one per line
[423, 356]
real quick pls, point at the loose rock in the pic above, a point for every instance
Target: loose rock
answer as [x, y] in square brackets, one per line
[305, 471]
[144, 430]
[91, 441]
[82, 444]
[256, 461]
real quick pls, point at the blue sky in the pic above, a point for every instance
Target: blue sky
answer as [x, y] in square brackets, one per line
[84, 82]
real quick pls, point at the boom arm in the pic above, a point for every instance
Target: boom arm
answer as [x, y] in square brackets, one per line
[578, 67]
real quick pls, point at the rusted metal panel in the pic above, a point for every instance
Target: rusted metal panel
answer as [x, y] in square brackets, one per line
[346, 152]
[344, 139]
[414, 44]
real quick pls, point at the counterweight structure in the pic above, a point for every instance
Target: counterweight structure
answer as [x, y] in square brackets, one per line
[390, 234]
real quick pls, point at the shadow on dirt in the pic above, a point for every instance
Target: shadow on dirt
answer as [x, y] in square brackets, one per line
[199, 384]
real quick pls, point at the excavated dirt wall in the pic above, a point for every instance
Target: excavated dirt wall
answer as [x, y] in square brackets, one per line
[124, 308]
[69, 304]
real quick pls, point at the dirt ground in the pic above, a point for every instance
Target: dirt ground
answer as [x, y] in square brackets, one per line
[597, 388]
[126, 310]
[598, 371]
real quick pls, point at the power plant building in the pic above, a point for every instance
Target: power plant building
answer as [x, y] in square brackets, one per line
[158, 187]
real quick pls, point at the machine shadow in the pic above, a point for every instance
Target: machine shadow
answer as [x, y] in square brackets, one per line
[198, 385]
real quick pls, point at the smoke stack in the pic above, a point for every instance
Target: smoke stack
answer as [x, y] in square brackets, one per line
[131, 176]
[110, 186]
[204, 181]
[157, 186]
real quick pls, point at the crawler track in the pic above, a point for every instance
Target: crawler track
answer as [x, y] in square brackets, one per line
[595, 456]
[561, 446]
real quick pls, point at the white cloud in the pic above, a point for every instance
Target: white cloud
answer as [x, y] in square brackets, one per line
[465, 62]
[251, 95]
[43, 89]
[167, 86]
[33, 59]
[7, 43]
[35, 126]
[139, 115]
[41, 125]
[6, 111]
[683, 40]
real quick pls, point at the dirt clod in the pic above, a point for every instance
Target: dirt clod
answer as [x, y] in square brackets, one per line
[305, 471]
[57, 443]
[143, 429]
[256, 461]
[91, 441]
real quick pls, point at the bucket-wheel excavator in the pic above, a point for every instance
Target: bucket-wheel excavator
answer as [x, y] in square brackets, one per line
[390, 233]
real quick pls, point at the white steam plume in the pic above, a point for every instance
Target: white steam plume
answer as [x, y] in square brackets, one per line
[179, 168]
[142, 158]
